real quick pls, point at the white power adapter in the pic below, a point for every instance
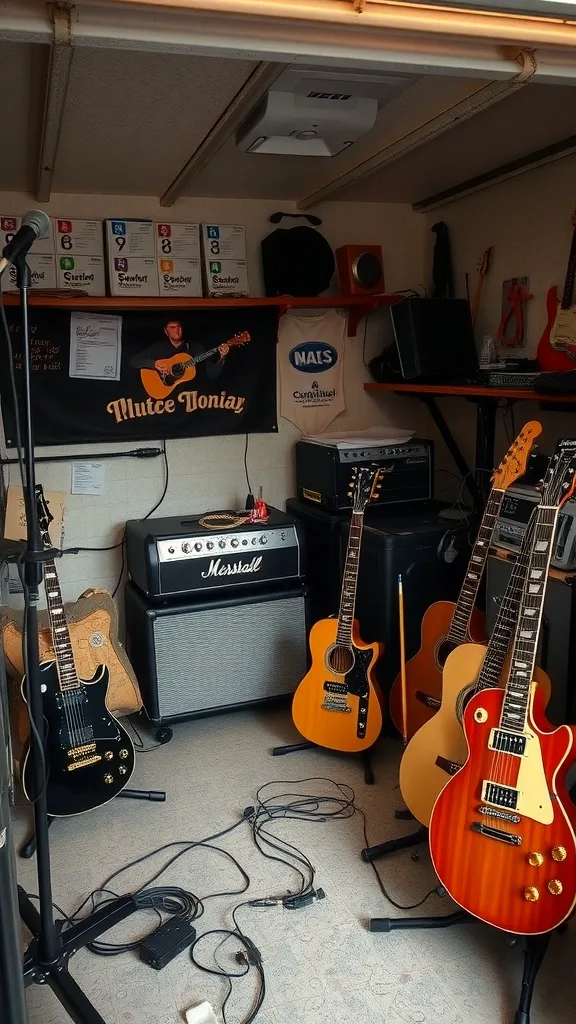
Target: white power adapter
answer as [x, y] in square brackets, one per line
[201, 1014]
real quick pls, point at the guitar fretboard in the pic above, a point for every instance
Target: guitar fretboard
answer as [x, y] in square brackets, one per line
[59, 627]
[568, 293]
[350, 580]
[516, 699]
[460, 625]
[508, 614]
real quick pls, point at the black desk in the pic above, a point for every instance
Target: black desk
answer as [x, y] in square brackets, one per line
[486, 401]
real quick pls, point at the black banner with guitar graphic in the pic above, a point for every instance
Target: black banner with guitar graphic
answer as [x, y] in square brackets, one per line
[182, 373]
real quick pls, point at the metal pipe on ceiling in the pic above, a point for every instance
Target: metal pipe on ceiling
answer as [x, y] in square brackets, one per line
[255, 86]
[58, 79]
[470, 106]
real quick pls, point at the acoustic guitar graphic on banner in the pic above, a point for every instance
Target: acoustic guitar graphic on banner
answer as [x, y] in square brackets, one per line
[180, 368]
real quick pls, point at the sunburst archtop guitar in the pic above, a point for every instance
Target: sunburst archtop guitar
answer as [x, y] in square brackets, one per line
[438, 750]
[446, 624]
[338, 703]
[159, 383]
[89, 756]
[502, 836]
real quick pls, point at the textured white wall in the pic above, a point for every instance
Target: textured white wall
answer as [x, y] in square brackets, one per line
[208, 473]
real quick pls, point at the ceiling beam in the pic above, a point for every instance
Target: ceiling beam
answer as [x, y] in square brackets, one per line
[258, 83]
[540, 157]
[442, 122]
[59, 65]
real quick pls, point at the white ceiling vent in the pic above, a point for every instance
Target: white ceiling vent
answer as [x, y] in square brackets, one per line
[314, 112]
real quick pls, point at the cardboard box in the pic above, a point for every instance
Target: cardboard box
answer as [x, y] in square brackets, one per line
[179, 277]
[129, 238]
[224, 260]
[175, 241]
[9, 225]
[87, 273]
[78, 237]
[136, 275]
[42, 273]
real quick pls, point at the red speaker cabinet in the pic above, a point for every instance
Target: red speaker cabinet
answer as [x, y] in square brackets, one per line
[360, 269]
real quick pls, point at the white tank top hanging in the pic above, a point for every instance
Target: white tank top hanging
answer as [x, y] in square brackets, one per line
[310, 369]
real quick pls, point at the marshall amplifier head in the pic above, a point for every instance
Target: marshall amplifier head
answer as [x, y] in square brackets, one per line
[515, 511]
[176, 556]
[323, 472]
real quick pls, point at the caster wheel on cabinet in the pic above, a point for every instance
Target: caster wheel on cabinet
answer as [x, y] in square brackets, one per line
[164, 734]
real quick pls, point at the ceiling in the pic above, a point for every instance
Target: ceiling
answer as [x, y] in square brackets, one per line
[132, 119]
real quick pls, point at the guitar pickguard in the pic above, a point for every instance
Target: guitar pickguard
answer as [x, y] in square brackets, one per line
[529, 797]
[357, 683]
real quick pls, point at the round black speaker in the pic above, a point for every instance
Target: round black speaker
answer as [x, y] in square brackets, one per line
[367, 270]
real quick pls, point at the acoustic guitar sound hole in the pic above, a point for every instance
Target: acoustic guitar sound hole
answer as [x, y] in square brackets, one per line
[444, 649]
[340, 659]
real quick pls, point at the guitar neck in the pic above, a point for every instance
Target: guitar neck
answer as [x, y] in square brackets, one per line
[350, 581]
[516, 699]
[460, 625]
[568, 293]
[508, 613]
[193, 360]
[59, 627]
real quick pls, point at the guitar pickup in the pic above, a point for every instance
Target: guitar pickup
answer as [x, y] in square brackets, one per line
[500, 796]
[331, 687]
[83, 763]
[88, 748]
[508, 742]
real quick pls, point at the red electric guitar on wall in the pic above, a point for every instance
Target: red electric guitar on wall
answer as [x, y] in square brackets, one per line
[557, 346]
[502, 831]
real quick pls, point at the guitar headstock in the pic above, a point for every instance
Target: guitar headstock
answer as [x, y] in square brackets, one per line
[239, 339]
[484, 261]
[514, 463]
[365, 485]
[559, 484]
[45, 516]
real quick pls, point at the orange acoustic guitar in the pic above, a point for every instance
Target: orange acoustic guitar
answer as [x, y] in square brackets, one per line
[447, 625]
[502, 834]
[338, 703]
[160, 383]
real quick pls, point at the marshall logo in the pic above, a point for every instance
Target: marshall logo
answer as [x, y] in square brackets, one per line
[217, 569]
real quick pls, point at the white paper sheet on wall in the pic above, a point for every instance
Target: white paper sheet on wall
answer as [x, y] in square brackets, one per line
[88, 478]
[95, 346]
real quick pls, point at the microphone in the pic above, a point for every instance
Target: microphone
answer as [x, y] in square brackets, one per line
[35, 224]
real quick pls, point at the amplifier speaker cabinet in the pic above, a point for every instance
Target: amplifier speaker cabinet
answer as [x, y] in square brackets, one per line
[430, 553]
[360, 269]
[557, 651]
[225, 652]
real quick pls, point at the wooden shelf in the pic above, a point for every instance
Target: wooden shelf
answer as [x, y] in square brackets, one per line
[358, 305]
[469, 391]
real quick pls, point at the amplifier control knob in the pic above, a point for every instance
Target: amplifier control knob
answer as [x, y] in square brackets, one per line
[254, 540]
[244, 542]
[263, 539]
[171, 550]
[186, 547]
[234, 542]
[197, 546]
[221, 543]
[210, 544]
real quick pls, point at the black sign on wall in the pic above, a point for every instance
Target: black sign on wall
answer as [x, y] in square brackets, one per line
[184, 373]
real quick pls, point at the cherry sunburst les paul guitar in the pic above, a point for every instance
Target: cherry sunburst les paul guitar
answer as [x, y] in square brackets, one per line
[446, 624]
[338, 704]
[159, 383]
[502, 833]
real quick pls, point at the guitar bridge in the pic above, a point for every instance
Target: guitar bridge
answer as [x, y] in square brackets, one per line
[84, 762]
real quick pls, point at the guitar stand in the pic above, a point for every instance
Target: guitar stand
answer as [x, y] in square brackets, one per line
[29, 848]
[370, 853]
[291, 748]
[535, 947]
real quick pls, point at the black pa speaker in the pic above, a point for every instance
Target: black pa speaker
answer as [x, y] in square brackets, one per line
[434, 338]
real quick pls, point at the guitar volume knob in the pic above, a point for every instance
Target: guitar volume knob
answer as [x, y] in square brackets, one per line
[559, 853]
[108, 755]
[123, 753]
[122, 769]
[108, 779]
[535, 859]
[555, 886]
[531, 894]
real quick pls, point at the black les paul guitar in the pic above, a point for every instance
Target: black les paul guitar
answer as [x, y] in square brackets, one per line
[89, 756]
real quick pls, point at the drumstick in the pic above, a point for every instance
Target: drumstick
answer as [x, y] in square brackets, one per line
[403, 661]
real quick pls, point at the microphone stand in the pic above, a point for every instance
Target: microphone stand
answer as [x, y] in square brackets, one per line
[46, 959]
